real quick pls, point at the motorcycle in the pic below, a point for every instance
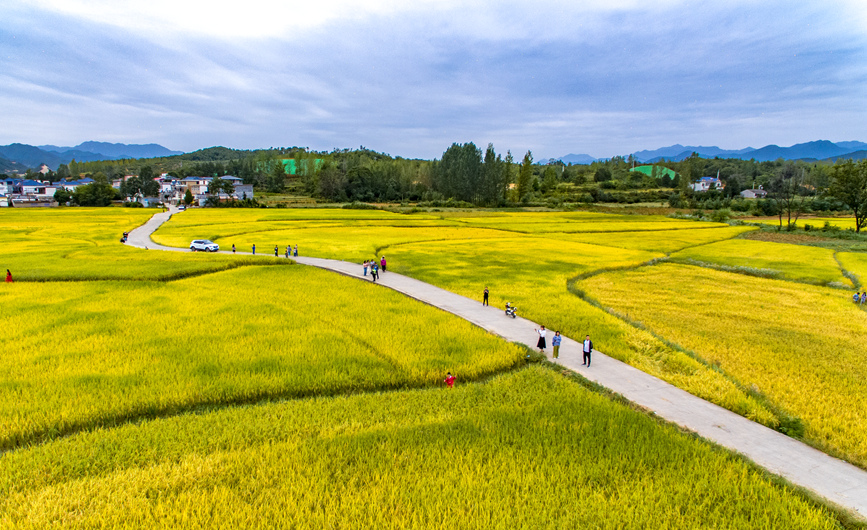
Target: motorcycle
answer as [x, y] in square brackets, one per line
[511, 311]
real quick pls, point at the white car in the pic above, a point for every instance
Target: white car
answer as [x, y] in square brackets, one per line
[205, 245]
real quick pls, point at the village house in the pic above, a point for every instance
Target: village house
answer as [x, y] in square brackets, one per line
[754, 194]
[707, 184]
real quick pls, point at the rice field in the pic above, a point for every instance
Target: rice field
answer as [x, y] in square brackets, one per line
[801, 345]
[530, 270]
[529, 449]
[201, 390]
[83, 244]
[856, 264]
[83, 354]
[799, 263]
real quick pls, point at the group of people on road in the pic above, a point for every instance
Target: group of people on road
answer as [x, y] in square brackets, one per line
[860, 300]
[288, 253]
[556, 340]
[586, 347]
[375, 268]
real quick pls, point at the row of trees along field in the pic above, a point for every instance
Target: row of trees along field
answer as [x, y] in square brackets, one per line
[468, 175]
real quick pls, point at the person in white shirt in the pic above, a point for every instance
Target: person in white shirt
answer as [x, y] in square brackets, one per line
[541, 343]
[588, 349]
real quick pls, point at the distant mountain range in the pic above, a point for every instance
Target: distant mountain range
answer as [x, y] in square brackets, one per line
[818, 150]
[31, 156]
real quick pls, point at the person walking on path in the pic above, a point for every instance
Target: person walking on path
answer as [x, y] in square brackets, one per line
[555, 342]
[374, 272]
[254, 249]
[296, 250]
[541, 343]
[863, 297]
[276, 251]
[233, 248]
[8, 276]
[485, 298]
[588, 349]
[382, 263]
[365, 267]
[449, 380]
[287, 250]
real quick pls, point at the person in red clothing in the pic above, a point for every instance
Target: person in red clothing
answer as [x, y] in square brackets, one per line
[450, 380]
[8, 276]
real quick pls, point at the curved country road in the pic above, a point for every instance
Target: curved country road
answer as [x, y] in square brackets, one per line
[838, 481]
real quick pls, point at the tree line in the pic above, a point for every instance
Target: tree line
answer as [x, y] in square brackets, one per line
[467, 174]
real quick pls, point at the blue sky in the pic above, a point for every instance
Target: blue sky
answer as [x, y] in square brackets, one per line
[603, 77]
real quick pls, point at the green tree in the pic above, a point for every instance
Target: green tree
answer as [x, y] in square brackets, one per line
[786, 190]
[218, 185]
[507, 172]
[494, 178]
[603, 174]
[549, 180]
[849, 186]
[525, 176]
[63, 172]
[96, 194]
[276, 181]
[188, 197]
[62, 195]
[332, 183]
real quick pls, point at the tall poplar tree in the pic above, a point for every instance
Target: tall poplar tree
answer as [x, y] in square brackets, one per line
[525, 176]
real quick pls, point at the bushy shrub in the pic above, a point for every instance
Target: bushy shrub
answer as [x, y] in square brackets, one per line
[720, 216]
[740, 205]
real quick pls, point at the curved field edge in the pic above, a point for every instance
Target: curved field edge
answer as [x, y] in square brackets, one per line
[132, 350]
[488, 454]
[804, 351]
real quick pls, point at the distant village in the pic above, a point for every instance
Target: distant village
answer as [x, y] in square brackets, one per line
[22, 192]
[714, 183]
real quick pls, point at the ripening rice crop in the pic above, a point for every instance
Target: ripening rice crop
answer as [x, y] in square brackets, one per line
[855, 263]
[529, 270]
[761, 258]
[525, 450]
[582, 222]
[74, 355]
[533, 273]
[665, 241]
[84, 244]
[843, 223]
[800, 345]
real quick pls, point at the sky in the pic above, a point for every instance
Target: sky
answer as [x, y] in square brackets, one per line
[602, 77]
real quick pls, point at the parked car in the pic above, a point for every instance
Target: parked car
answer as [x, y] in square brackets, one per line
[182, 207]
[205, 245]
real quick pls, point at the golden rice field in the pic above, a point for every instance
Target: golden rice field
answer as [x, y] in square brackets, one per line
[661, 241]
[801, 345]
[290, 397]
[80, 354]
[529, 449]
[80, 244]
[855, 263]
[531, 271]
[800, 263]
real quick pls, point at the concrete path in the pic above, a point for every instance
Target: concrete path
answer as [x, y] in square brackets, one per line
[839, 482]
